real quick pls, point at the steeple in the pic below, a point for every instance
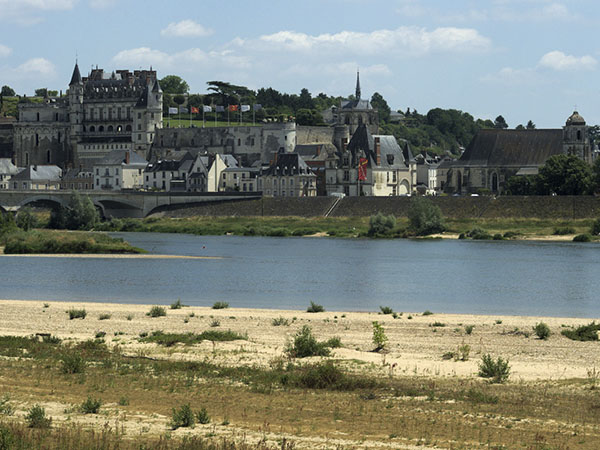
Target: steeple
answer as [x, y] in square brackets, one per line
[357, 86]
[76, 77]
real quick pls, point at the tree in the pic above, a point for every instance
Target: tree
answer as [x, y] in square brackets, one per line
[41, 92]
[500, 123]
[530, 125]
[305, 101]
[172, 84]
[379, 338]
[425, 217]
[25, 219]
[309, 117]
[224, 93]
[379, 103]
[195, 100]
[596, 175]
[7, 91]
[565, 175]
[521, 185]
[81, 214]
[179, 99]
[520, 127]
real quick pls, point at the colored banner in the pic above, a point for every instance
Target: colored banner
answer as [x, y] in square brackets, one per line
[195, 110]
[172, 110]
[257, 107]
[207, 108]
[362, 169]
[245, 108]
[220, 108]
[233, 108]
[183, 110]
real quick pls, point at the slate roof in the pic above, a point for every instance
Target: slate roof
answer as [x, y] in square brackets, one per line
[356, 104]
[7, 167]
[393, 156]
[288, 164]
[39, 173]
[76, 77]
[512, 148]
[117, 158]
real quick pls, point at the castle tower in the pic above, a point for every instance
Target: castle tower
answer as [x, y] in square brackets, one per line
[576, 138]
[76, 118]
[147, 117]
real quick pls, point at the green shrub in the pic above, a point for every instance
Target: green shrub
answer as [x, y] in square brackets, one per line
[202, 416]
[6, 409]
[427, 313]
[76, 313]
[90, 406]
[476, 396]
[511, 234]
[305, 345]
[182, 417]
[315, 308]
[595, 228]
[582, 238]
[26, 220]
[104, 316]
[498, 371]
[479, 234]
[220, 305]
[325, 375]
[379, 338]
[381, 225]
[542, 330]
[100, 334]
[72, 362]
[386, 310]
[215, 323]
[498, 237]
[334, 342]
[583, 333]
[424, 217]
[157, 311]
[438, 324]
[177, 305]
[36, 417]
[280, 321]
[469, 328]
[561, 231]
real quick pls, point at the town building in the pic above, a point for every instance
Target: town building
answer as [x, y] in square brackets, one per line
[495, 155]
[216, 165]
[120, 169]
[77, 179]
[37, 178]
[100, 113]
[288, 176]
[179, 172]
[7, 171]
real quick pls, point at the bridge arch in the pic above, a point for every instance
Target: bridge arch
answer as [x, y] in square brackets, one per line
[43, 200]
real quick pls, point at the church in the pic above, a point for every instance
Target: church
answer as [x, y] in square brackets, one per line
[495, 155]
[100, 113]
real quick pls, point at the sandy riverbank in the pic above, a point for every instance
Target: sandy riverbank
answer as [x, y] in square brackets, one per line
[416, 346]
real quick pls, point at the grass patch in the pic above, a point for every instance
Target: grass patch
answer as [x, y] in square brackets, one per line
[170, 339]
[315, 308]
[104, 317]
[280, 321]
[386, 310]
[177, 305]
[220, 305]
[157, 311]
[583, 333]
[77, 313]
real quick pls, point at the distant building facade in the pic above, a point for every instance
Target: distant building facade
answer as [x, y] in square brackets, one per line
[100, 113]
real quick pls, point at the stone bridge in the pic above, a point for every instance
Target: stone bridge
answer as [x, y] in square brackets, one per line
[118, 204]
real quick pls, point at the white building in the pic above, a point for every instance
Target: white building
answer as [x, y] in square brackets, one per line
[120, 169]
[37, 178]
[180, 172]
[215, 172]
[7, 170]
[288, 176]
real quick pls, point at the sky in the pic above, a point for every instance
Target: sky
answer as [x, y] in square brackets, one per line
[524, 59]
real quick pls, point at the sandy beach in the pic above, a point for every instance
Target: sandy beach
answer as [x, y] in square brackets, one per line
[417, 344]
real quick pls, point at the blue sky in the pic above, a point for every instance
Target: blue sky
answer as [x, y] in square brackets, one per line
[524, 59]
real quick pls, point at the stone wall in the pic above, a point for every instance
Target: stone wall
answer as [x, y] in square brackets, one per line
[453, 207]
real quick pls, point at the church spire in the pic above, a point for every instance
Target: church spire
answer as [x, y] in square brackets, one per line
[76, 77]
[357, 85]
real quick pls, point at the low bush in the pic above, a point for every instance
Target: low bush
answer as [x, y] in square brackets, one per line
[469, 328]
[381, 225]
[202, 416]
[479, 234]
[100, 334]
[379, 337]
[334, 342]
[315, 308]
[427, 313]
[76, 313]
[279, 321]
[90, 406]
[36, 417]
[386, 310]
[583, 333]
[177, 305]
[305, 345]
[104, 316]
[182, 417]
[215, 323]
[438, 324]
[511, 234]
[157, 311]
[595, 228]
[170, 339]
[561, 231]
[72, 362]
[582, 238]
[542, 330]
[6, 409]
[326, 375]
[424, 217]
[220, 305]
[477, 396]
[497, 371]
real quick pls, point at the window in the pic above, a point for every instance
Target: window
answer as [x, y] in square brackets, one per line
[239, 142]
[117, 181]
[116, 171]
[224, 175]
[244, 187]
[139, 115]
[346, 175]
[147, 178]
[139, 127]
[97, 171]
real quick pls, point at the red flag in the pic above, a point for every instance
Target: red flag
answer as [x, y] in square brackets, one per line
[362, 169]
[233, 108]
[195, 110]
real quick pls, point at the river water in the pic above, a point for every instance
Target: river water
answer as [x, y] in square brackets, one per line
[477, 277]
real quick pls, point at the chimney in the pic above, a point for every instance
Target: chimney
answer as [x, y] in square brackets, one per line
[378, 151]
[318, 150]
[127, 157]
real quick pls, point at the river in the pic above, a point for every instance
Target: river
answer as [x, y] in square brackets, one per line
[475, 277]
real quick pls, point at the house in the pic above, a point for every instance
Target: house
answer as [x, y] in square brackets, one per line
[7, 170]
[288, 176]
[36, 178]
[386, 167]
[241, 179]
[179, 172]
[315, 155]
[428, 182]
[215, 171]
[77, 179]
[120, 169]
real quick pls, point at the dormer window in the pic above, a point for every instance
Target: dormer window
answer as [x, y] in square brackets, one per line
[390, 159]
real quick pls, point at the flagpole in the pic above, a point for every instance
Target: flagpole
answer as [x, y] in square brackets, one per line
[202, 116]
[253, 115]
[241, 112]
[228, 116]
[215, 115]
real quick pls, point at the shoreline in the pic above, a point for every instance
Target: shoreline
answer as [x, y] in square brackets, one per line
[417, 341]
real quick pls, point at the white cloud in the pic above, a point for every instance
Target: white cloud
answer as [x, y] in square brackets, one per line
[511, 77]
[145, 56]
[5, 51]
[26, 12]
[404, 40]
[102, 4]
[557, 60]
[36, 67]
[186, 28]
